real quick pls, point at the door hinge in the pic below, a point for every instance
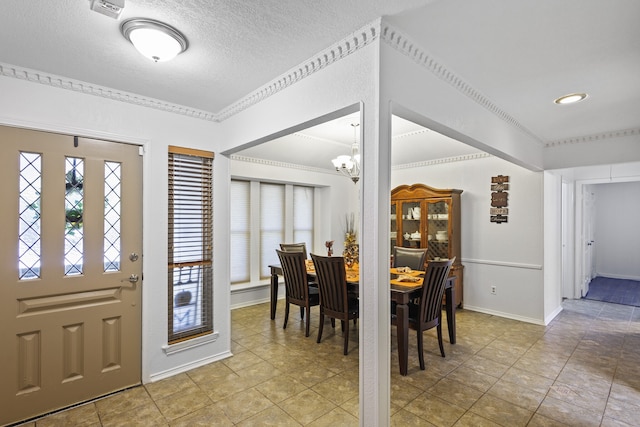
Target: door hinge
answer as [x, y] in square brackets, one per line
[141, 150]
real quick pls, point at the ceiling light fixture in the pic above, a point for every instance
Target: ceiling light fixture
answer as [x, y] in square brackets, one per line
[349, 166]
[154, 39]
[570, 98]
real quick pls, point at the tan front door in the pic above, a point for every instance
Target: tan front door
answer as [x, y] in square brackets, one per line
[70, 270]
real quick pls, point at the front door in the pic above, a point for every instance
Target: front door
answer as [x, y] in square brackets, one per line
[70, 269]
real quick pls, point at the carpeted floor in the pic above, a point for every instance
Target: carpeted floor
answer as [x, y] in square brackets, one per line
[619, 291]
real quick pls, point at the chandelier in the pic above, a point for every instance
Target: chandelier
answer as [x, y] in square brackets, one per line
[349, 166]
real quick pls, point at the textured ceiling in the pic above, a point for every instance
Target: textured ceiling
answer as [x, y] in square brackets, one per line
[518, 55]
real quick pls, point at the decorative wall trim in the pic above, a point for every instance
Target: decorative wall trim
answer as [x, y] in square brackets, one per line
[502, 263]
[279, 164]
[402, 43]
[594, 137]
[189, 344]
[34, 76]
[442, 161]
[412, 133]
[345, 47]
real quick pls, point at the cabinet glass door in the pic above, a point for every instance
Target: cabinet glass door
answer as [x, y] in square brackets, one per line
[394, 228]
[411, 224]
[438, 229]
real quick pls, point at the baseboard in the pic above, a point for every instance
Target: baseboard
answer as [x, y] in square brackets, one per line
[505, 315]
[618, 276]
[188, 366]
[553, 315]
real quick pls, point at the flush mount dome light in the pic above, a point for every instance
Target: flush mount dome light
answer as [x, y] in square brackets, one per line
[154, 39]
[570, 98]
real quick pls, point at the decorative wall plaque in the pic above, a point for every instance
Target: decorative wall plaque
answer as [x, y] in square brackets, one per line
[499, 212]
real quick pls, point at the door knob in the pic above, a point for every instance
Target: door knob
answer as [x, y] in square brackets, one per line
[131, 279]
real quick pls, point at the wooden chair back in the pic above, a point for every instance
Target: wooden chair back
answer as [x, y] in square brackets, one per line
[332, 284]
[414, 258]
[294, 247]
[435, 280]
[295, 276]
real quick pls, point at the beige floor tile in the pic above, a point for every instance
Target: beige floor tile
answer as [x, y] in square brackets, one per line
[501, 411]
[541, 421]
[623, 410]
[352, 406]
[517, 394]
[472, 378]
[610, 422]
[182, 403]
[580, 396]
[455, 392]
[403, 418]
[336, 417]
[435, 410]
[84, 415]
[569, 413]
[337, 389]
[528, 379]
[243, 405]
[124, 401]
[242, 360]
[487, 366]
[469, 419]
[209, 373]
[175, 384]
[145, 415]
[272, 416]
[307, 406]
[210, 415]
[280, 388]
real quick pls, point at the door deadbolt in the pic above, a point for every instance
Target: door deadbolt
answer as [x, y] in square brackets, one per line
[133, 257]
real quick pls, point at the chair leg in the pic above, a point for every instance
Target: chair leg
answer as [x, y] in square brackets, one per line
[439, 329]
[342, 322]
[421, 350]
[346, 336]
[286, 315]
[333, 322]
[321, 326]
[308, 321]
[302, 312]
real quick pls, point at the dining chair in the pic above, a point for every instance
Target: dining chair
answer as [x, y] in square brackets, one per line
[294, 247]
[335, 301]
[297, 289]
[428, 313]
[414, 258]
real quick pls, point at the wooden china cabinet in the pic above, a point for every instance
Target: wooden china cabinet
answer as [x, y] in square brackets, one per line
[427, 217]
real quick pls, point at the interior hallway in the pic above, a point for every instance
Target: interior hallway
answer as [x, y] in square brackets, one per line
[581, 370]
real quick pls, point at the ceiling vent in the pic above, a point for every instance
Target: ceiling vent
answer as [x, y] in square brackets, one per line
[111, 8]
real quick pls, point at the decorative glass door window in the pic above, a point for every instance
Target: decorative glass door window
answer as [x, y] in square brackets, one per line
[29, 207]
[112, 198]
[73, 209]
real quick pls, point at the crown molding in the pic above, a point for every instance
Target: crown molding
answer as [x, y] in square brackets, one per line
[345, 47]
[593, 138]
[265, 162]
[8, 70]
[454, 159]
[405, 45]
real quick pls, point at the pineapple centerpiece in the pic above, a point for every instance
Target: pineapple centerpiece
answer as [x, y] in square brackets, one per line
[351, 251]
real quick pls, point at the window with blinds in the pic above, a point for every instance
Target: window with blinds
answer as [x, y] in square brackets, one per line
[190, 274]
[263, 216]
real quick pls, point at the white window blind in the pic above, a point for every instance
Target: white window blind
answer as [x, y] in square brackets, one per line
[190, 275]
[303, 215]
[240, 232]
[271, 225]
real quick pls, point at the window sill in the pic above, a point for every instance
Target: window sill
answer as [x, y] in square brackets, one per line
[189, 344]
[250, 285]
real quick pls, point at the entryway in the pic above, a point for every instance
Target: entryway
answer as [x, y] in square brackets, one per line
[70, 300]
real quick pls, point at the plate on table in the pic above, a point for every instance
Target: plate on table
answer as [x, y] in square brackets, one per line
[402, 270]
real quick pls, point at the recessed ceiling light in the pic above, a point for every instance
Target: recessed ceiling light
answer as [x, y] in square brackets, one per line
[154, 39]
[571, 98]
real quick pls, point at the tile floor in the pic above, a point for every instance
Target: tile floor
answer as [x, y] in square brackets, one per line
[581, 370]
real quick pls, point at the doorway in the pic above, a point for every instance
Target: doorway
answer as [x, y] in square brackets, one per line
[70, 306]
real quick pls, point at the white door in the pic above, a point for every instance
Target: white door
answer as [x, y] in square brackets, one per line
[70, 263]
[588, 223]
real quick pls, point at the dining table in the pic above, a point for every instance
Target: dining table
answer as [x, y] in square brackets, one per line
[401, 293]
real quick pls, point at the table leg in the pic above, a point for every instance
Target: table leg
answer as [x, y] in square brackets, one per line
[274, 293]
[450, 300]
[402, 324]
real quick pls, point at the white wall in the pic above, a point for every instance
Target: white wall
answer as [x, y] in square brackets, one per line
[27, 104]
[617, 230]
[509, 255]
